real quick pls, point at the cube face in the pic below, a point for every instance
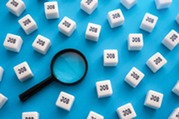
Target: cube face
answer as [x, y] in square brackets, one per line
[94, 115]
[67, 26]
[30, 115]
[93, 32]
[134, 77]
[177, 18]
[161, 4]
[115, 18]
[153, 99]
[148, 23]
[65, 101]
[1, 73]
[13, 42]
[104, 88]
[28, 24]
[23, 71]
[41, 44]
[51, 10]
[110, 57]
[174, 114]
[3, 100]
[176, 89]
[135, 42]
[128, 3]
[88, 5]
[156, 62]
[126, 111]
[171, 40]
[16, 7]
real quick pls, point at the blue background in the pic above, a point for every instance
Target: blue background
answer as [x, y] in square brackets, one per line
[85, 92]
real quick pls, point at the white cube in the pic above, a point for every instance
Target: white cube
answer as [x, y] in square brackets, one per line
[171, 40]
[30, 115]
[176, 89]
[94, 115]
[128, 3]
[115, 18]
[153, 99]
[126, 111]
[23, 71]
[135, 42]
[134, 77]
[88, 5]
[156, 62]
[13, 42]
[93, 32]
[104, 88]
[41, 44]
[161, 4]
[67, 26]
[149, 22]
[3, 100]
[1, 73]
[110, 57]
[65, 101]
[28, 24]
[51, 10]
[16, 7]
[174, 114]
[177, 18]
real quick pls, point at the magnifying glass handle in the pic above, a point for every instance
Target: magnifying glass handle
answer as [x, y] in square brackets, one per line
[30, 92]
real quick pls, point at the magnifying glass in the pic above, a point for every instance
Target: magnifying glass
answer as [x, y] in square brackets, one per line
[69, 66]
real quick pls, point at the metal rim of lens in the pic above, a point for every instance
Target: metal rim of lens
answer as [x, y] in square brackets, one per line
[68, 51]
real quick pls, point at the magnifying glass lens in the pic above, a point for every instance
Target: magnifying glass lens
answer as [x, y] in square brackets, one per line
[69, 67]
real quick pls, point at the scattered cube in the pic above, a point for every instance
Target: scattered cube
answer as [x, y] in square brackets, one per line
[115, 18]
[153, 99]
[177, 18]
[88, 5]
[3, 100]
[110, 57]
[104, 88]
[23, 71]
[135, 42]
[51, 10]
[126, 111]
[149, 22]
[1, 73]
[41, 44]
[156, 62]
[171, 40]
[174, 114]
[13, 42]
[28, 24]
[16, 7]
[176, 89]
[67, 26]
[134, 77]
[65, 101]
[128, 3]
[94, 115]
[161, 4]
[93, 32]
[30, 115]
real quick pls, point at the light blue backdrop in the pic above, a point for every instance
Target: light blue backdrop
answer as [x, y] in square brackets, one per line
[85, 92]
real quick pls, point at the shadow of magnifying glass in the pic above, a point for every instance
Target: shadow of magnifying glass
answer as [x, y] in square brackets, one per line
[69, 66]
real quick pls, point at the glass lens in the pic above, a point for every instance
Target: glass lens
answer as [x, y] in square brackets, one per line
[69, 67]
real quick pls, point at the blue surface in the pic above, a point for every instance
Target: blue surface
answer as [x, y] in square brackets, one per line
[85, 92]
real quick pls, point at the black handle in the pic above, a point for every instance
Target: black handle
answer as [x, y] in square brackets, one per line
[30, 92]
